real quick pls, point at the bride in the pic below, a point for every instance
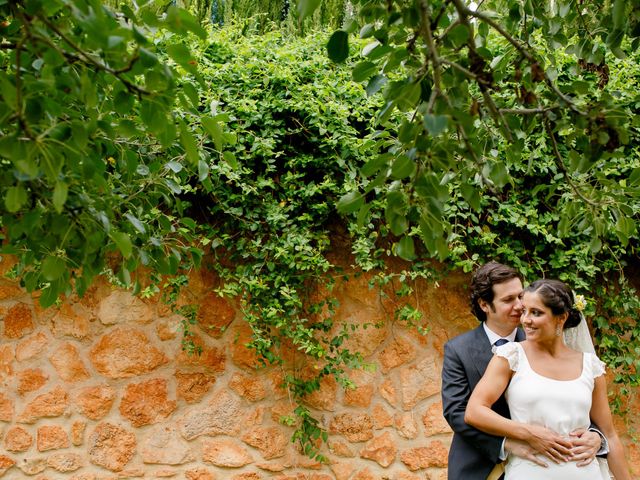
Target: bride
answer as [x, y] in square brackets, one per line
[551, 390]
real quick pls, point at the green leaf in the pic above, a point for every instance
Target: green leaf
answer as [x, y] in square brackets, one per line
[123, 242]
[363, 70]
[53, 267]
[189, 143]
[350, 202]
[402, 167]
[375, 164]
[60, 192]
[338, 46]
[435, 124]
[406, 248]
[49, 295]
[181, 21]
[618, 14]
[471, 194]
[15, 198]
[203, 170]
[214, 128]
[137, 224]
[375, 84]
[307, 7]
[458, 35]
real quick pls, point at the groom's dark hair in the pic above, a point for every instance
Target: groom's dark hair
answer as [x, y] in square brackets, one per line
[482, 283]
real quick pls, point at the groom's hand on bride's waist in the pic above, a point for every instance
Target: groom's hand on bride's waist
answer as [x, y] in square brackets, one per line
[548, 443]
[523, 450]
[586, 445]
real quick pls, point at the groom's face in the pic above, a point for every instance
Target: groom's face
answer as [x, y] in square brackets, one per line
[503, 313]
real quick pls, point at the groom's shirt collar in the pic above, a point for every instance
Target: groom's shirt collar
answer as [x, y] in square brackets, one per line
[493, 336]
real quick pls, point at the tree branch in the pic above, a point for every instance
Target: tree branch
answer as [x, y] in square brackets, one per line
[86, 58]
[563, 169]
[520, 48]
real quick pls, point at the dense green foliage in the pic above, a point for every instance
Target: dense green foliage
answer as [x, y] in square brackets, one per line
[95, 140]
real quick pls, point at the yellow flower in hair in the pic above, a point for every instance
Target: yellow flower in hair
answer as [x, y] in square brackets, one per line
[580, 303]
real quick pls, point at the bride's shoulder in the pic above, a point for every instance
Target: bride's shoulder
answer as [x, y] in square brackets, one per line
[511, 352]
[596, 366]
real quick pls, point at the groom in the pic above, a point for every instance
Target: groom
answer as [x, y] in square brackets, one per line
[495, 300]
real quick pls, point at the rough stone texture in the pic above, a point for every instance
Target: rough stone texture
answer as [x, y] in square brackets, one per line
[6, 408]
[95, 402]
[32, 466]
[406, 425]
[433, 455]
[71, 321]
[164, 445]
[68, 364]
[420, 381]
[399, 352]
[219, 416]
[381, 417]
[434, 422]
[247, 476]
[342, 470]
[199, 474]
[125, 352]
[146, 402]
[211, 360]
[77, 432]
[7, 358]
[356, 427]
[225, 453]
[215, 315]
[17, 439]
[340, 448]
[250, 387]
[5, 464]
[52, 437]
[270, 441]
[50, 404]
[325, 397]
[30, 380]
[122, 307]
[9, 290]
[65, 462]
[111, 446]
[380, 449]
[191, 387]
[31, 346]
[361, 395]
[389, 392]
[18, 321]
[167, 328]
[241, 355]
[364, 474]
[365, 338]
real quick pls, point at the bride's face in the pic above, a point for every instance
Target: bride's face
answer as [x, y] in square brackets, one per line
[537, 319]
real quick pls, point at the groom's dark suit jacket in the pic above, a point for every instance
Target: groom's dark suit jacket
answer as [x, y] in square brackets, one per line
[473, 454]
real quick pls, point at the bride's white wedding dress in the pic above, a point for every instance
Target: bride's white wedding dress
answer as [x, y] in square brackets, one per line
[560, 405]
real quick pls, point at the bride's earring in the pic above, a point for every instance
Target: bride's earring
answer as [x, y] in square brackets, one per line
[558, 330]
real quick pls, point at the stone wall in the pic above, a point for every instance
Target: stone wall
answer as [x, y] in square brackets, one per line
[99, 388]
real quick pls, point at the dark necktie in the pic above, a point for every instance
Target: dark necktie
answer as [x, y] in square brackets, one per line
[501, 341]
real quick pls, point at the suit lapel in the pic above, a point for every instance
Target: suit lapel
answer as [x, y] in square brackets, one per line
[480, 350]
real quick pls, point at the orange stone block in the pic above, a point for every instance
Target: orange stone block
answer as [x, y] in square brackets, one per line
[18, 321]
[52, 437]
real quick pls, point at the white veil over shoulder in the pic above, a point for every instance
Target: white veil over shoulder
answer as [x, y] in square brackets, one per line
[579, 337]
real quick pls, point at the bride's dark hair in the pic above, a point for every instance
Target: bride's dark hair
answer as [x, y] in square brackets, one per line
[558, 297]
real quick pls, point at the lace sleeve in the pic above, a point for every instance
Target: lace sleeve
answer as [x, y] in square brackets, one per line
[511, 352]
[597, 366]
